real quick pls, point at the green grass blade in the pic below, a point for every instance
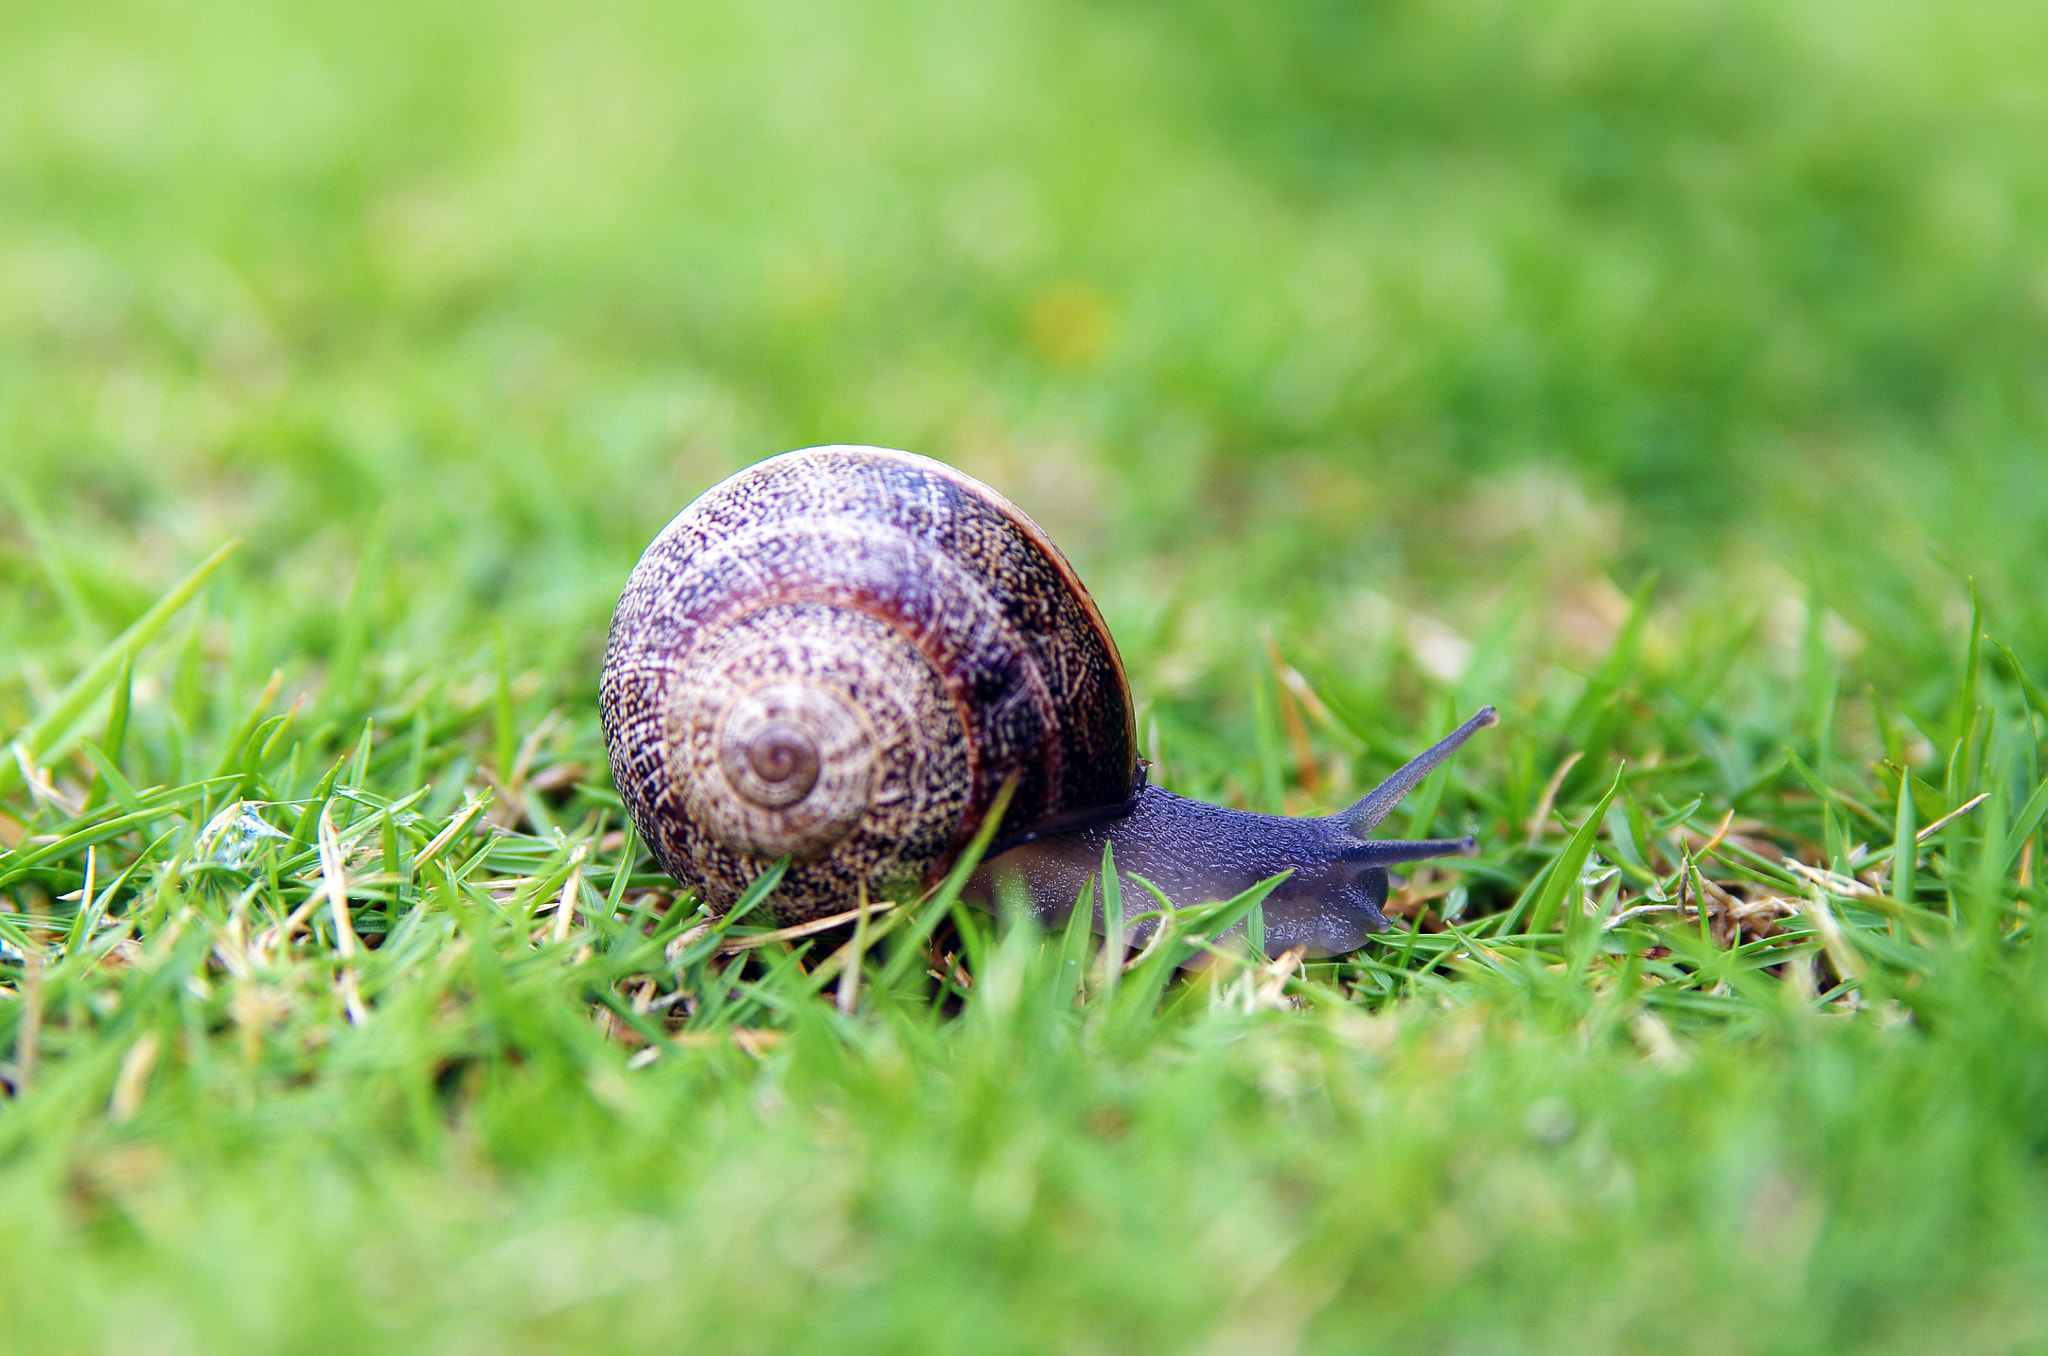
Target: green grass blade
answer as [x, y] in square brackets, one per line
[46, 731]
[908, 948]
[1904, 848]
[1112, 924]
[1564, 872]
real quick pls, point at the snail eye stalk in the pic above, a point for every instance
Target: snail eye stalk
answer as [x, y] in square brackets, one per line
[1394, 851]
[1376, 804]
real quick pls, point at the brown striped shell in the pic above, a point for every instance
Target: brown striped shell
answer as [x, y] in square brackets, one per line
[839, 655]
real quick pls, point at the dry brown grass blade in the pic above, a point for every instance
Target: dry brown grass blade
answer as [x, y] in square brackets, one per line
[133, 1080]
[565, 903]
[1848, 963]
[334, 885]
[797, 930]
[848, 996]
[441, 840]
[753, 1040]
[1271, 988]
[1938, 825]
[1540, 820]
[1287, 687]
[1727, 822]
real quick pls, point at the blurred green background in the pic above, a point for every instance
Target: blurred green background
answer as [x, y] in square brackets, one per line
[1308, 315]
[1420, 337]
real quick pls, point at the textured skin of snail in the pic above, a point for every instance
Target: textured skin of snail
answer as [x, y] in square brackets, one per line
[1329, 903]
[840, 656]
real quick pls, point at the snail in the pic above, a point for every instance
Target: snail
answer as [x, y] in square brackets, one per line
[840, 656]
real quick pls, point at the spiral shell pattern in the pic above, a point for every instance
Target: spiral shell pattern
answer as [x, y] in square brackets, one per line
[839, 655]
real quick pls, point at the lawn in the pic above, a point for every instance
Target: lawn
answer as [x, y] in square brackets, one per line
[1673, 378]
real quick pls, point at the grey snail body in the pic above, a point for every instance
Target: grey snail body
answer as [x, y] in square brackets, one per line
[841, 655]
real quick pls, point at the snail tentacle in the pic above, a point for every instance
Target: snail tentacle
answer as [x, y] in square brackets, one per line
[1336, 883]
[1375, 805]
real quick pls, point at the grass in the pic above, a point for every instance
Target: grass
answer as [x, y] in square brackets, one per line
[1670, 379]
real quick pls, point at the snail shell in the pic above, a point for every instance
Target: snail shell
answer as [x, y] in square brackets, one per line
[840, 655]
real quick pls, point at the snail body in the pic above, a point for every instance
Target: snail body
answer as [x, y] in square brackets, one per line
[841, 655]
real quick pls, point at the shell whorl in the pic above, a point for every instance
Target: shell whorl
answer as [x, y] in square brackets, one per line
[839, 655]
[802, 729]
